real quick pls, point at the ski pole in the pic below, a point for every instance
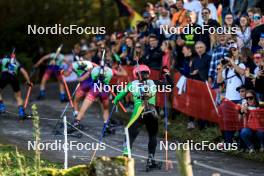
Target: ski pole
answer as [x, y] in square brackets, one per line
[27, 97]
[103, 131]
[67, 88]
[66, 107]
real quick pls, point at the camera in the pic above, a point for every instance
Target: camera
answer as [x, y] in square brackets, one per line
[224, 61]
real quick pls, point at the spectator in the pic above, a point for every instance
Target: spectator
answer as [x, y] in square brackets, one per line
[153, 53]
[166, 47]
[246, 58]
[229, 21]
[191, 38]
[212, 10]
[259, 74]
[257, 18]
[148, 19]
[138, 54]
[248, 134]
[179, 18]
[257, 31]
[250, 14]
[164, 19]
[231, 72]
[207, 22]
[191, 5]
[218, 53]
[127, 54]
[242, 92]
[238, 7]
[201, 63]
[260, 46]
[244, 31]
[185, 68]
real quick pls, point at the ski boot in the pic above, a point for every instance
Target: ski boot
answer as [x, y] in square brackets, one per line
[63, 98]
[21, 113]
[41, 95]
[152, 164]
[2, 108]
[109, 130]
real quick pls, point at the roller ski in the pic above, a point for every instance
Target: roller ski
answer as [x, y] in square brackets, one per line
[73, 130]
[152, 164]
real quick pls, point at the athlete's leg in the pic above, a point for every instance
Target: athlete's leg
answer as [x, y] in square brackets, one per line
[105, 105]
[151, 123]
[3, 82]
[43, 82]
[86, 104]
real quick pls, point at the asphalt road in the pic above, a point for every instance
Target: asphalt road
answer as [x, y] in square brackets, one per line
[14, 131]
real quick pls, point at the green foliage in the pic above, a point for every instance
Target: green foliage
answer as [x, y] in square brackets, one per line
[36, 134]
[14, 163]
[178, 130]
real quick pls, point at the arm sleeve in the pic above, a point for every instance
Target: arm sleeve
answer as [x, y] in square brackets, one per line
[122, 94]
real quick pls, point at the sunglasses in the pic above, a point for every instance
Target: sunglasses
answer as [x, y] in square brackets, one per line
[256, 17]
[257, 57]
[233, 49]
[205, 13]
[250, 98]
[138, 46]
[230, 43]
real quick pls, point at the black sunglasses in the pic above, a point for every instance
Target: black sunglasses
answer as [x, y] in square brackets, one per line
[230, 43]
[250, 98]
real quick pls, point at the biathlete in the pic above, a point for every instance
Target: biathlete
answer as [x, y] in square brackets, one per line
[10, 69]
[55, 65]
[144, 92]
[100, 76]
[82, 67]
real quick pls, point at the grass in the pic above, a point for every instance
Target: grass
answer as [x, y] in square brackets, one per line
[14, 163]
[177, 131]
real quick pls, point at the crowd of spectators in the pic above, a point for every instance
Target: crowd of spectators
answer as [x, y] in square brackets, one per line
[229, 62]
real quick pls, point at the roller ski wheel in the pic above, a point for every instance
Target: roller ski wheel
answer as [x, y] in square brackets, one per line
[156, 166]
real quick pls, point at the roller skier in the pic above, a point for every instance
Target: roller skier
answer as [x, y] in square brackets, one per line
[144, 92]
[100, 76]
[55, 65]
[10, 69]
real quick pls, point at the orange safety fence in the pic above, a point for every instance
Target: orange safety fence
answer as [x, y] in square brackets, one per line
[196, 102]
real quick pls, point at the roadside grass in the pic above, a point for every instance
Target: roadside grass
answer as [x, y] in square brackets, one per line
[15, 163]
[177, 131]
